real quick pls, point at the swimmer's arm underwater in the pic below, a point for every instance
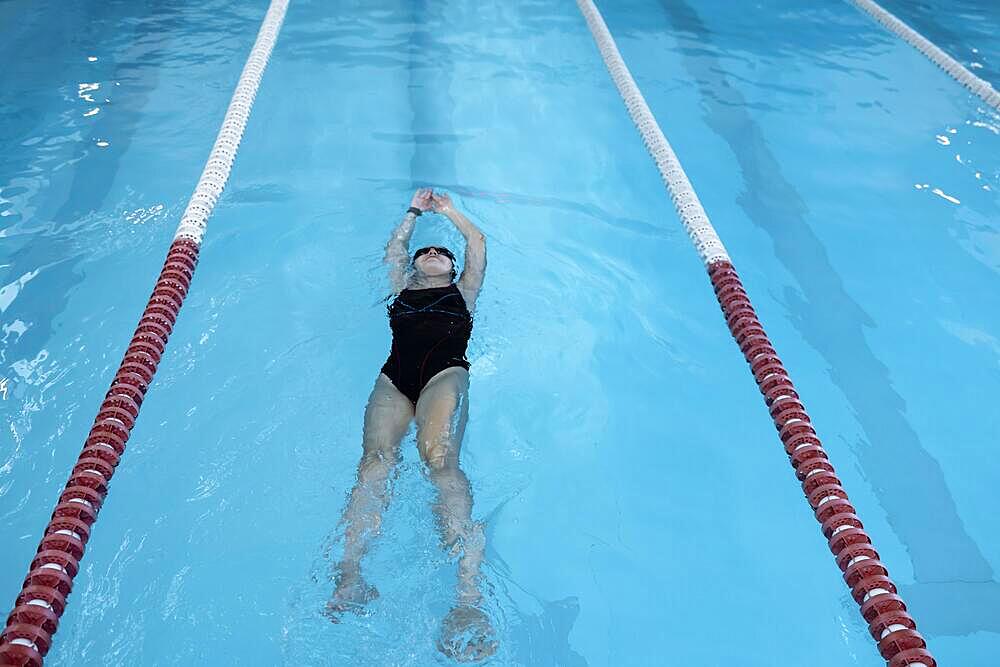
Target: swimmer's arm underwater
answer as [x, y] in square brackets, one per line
[471, 280]
[397, 253]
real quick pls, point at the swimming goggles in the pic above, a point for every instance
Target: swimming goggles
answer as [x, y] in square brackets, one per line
[438, 249]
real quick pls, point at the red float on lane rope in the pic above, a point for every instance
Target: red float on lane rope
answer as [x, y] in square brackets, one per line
[42, 600]
[867, 577]
[881, 607]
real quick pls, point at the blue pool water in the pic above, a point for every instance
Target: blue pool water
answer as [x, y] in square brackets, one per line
[639, 507]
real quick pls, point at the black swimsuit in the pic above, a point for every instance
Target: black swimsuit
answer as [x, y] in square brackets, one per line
[430, 332]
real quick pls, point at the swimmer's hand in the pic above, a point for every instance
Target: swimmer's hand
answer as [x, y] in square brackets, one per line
[441, 202]
[422, 199]
[467, 635]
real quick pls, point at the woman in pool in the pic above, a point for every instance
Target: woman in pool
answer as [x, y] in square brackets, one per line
[426, 378]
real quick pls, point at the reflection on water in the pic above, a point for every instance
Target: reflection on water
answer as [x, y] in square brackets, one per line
[830, 320]
[614, 435]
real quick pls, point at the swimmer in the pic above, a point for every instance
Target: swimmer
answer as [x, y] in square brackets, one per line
[426, 378]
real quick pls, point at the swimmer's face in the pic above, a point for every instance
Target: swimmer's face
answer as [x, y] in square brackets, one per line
[433, 262]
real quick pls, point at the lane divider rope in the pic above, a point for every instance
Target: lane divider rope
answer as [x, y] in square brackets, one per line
[868, 578]
[954, 68]
[27, 636]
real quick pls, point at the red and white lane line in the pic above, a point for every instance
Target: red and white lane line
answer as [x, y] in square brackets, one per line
[868, 578]
[28, 634]
[957, 71]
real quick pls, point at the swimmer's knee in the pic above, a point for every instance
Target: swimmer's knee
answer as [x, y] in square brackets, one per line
[376, 463]
[438, 454]
[436, 457]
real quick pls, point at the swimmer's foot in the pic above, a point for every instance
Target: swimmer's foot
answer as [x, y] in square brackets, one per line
[467, 635]
[352, 595]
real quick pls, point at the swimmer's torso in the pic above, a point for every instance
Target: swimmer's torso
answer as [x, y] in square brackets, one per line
[430, 332]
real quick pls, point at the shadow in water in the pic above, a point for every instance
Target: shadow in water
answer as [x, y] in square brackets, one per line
[954, 582]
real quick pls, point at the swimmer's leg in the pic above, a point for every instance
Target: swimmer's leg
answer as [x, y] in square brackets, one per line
[442, 412]
[387, 417]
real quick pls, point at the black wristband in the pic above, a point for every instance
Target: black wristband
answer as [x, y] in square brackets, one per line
[414, 210]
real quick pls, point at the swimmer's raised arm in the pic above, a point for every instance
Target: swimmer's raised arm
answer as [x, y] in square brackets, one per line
[397, 250]
[471, 280]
